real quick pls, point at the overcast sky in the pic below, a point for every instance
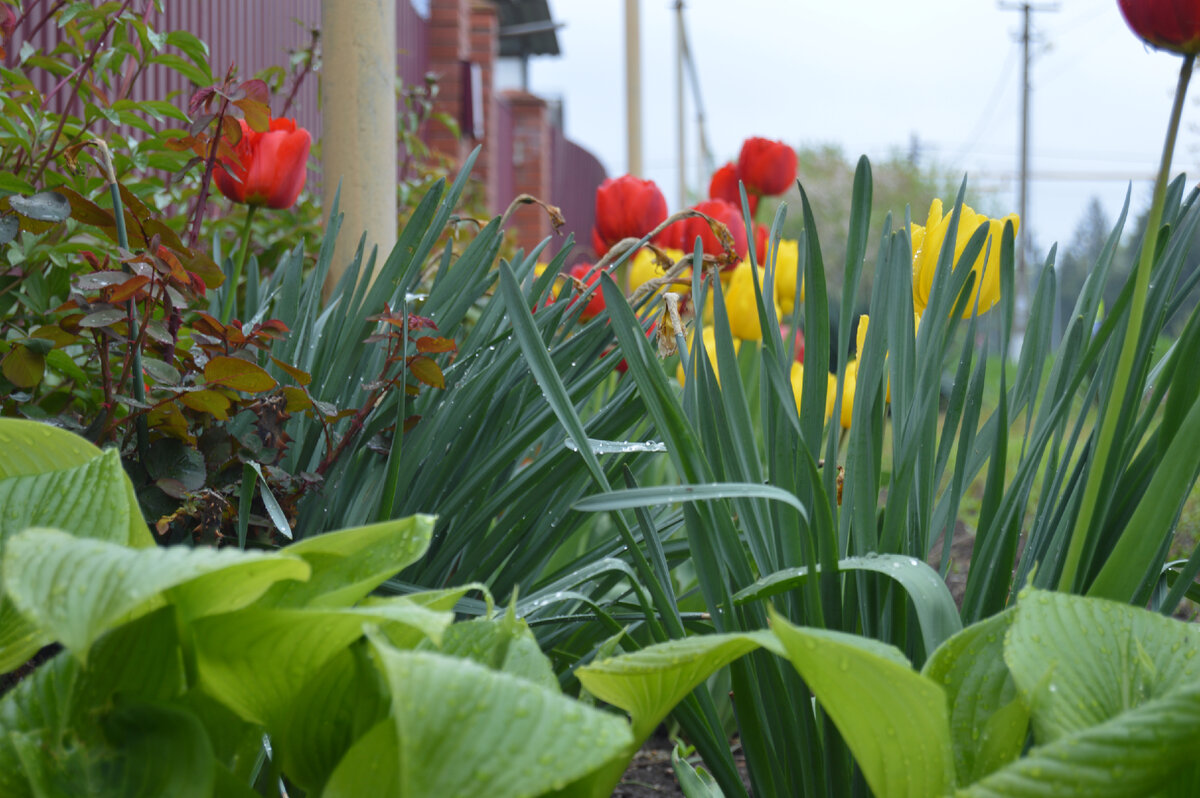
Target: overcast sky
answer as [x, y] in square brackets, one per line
[872, 74]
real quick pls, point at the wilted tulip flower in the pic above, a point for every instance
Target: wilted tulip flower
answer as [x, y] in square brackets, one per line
[1167, 24]
[766, 167]
[595, 303]
[927, 248]
[626, 207]
[682, 234]
[270, 168]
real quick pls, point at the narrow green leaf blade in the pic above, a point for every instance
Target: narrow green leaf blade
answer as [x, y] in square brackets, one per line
[671, 494]
[936, 611]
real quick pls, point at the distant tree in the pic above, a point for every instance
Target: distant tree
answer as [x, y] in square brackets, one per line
[1076, 261]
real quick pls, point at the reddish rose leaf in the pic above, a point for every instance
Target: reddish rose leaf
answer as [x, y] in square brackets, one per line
[23, 367]
[258, 115]
[208, 325]
[430, 344]
[241, 375]
[231, 130]
[127, 289]
[256, 90]
[214, 403]
[97, 280]
[55, 333]
[427, 371]
[301, 377]
[103, 318]
[297, 399]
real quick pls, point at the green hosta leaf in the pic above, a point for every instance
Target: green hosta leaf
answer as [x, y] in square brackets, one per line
[57, 706]
[893, 719]
[258, 660]
[343, 700]
[92, 499]
[370, 767]
[988, 719]
[75, 589]
[503, 644]
[51, 477]
[649, 683]
[1080, 662]
[350, 563]
[1114, 695]
[1136, 753]
[933, 601]
[162, 750]
[464, 730]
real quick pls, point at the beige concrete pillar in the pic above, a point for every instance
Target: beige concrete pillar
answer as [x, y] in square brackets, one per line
[358, 120]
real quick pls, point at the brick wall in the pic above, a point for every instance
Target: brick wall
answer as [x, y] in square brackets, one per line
[531, 164]
[449, 48]
[485, 48]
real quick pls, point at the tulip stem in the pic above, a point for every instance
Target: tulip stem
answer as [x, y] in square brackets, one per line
[238, 267]
[1070, 579]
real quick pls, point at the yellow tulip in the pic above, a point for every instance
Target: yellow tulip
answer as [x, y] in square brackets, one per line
[797, 380]
[927, 247]
[644, 268]
[710, 345]
[741, 304]
[785, 274]
[848, 392]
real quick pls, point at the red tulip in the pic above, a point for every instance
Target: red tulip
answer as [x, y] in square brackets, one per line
[271, 166]
[596, 301]
[760, 242]
[766, 167]
[682, 234]
[1167, 24]
[724, 185]
[626, 207]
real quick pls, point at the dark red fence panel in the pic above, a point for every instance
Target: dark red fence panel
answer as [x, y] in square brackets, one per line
[575, 174]
[412, 43]
[254, 36]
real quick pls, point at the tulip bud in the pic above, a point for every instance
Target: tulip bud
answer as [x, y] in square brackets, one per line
[270, 168]
[766, 167]
[1166, 24]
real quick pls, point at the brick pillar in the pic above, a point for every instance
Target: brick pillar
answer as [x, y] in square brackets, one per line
[485, 48]
[449, 46]
[531, 165]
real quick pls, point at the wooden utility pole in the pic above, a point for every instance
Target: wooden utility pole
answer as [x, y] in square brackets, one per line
[1022, 243]
[633, 86]
[680, 65]
[358, 121]
[1026, 10]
